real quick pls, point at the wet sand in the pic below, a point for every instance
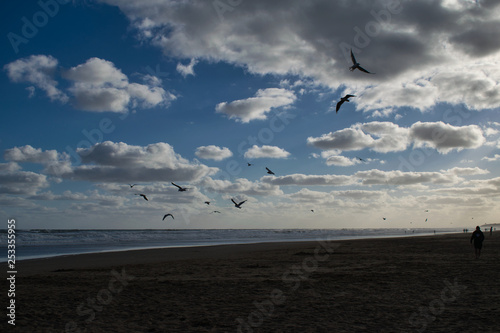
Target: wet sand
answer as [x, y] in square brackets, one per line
[413, 284]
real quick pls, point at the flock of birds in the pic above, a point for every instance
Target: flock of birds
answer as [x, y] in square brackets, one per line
[355, 65]
[183, 189]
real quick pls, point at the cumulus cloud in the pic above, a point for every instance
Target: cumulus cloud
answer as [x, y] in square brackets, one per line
[32, 155]
[40, 71]
[257, 107]
[213, 152]
[387, 137]
[266, 152]
[97, 85]
[333, 158]
[120, 162]
[55, 163]
[379, 136]
[21, 182]
[422, 48]
[444, 137]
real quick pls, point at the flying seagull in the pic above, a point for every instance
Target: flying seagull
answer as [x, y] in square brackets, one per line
[312, 210]
[249, 164]
[342, 100]
[181, 189]
[207, 202]
[164, 216]
[384, 218]
[215, 211]
[238, 205]
[359, 158]
[355, 65]
[142, 195]
[269, 171]
[131, 185]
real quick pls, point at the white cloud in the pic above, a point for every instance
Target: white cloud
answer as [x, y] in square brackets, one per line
[379, 136]
[188, 69]
[9, 167]
[337, 160]
[213, 153]
[387, 137]
[444, 137]
[119, 162]
[98, 72]
[496, 157]
[32, 155]
[266, 152]
[344, 139]
[257, 107]
[425, 52]
[40, 71]
[97, 85]
[22, 182]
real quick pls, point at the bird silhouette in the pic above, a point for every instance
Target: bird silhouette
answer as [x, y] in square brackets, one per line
[165, 216]
[312, 210]
[207, 202]
[131, 185]
[215, 211]
[249, 164]
[384, 218]
[142, 195]
[356, 65]
[359, 158]
[238, 205]
[269, 171]
[342, 100]
[181, 189]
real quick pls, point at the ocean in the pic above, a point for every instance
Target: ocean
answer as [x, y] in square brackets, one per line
[42, 243]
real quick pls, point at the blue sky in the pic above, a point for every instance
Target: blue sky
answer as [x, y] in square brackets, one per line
[97, 95]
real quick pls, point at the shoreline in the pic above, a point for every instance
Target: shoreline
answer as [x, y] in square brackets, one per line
[376, 285]
[140, 248]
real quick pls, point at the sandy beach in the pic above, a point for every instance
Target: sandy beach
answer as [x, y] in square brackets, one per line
[412, 284]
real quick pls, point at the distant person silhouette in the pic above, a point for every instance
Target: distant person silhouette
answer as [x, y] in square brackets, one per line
[478, 238]
[491, 231]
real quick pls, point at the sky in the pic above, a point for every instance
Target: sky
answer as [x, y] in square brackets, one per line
[101, 95]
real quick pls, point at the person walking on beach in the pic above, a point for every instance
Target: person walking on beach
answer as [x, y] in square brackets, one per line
[478, 238]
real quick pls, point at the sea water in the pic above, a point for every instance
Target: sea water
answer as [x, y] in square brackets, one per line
[42, 243]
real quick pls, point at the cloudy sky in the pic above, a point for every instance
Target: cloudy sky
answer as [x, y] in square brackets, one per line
[97, 95]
